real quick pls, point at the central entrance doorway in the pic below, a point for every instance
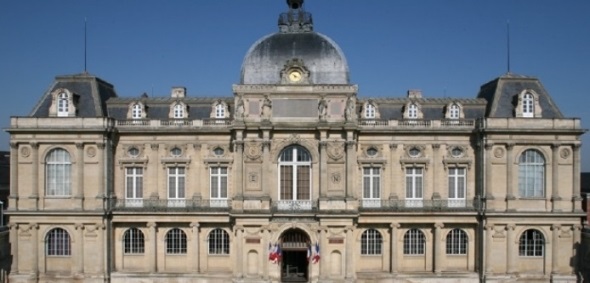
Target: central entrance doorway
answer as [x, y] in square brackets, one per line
[294, 264]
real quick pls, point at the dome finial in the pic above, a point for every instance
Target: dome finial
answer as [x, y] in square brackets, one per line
[295, 4]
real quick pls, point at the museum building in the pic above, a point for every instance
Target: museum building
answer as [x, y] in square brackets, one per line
[294, 178]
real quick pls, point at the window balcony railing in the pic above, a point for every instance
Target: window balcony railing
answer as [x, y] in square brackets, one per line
[294, 205]
[420, 205]
[185, 123]
[170, 205]
[417, 123]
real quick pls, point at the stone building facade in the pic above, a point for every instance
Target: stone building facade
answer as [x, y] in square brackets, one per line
[294, 178]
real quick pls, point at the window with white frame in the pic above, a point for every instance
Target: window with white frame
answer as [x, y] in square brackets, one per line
[136, 111]
[58, 243]
[412, 111]
[134, 184]
[218, 177]
[371, 186]
[175, 242]
[371, 242]
[531, 174]
[414, 184]
[531, 243]
[58, 173]
[218, 242]
[456, 186]
[295, 174]
[528, 105]
[63, 105]
[369, 111]
[454, 111]
[414, 242]
[133, 241]
[176, 183]
[178, 111]
[220, 111]
[457, 242]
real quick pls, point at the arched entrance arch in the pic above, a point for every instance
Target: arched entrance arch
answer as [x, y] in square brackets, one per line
[294, 243]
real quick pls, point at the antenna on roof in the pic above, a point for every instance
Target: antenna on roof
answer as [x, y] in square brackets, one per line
[508, 45]
[85, 46]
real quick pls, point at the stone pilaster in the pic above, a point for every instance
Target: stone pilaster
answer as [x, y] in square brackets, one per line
[555, 175]
[510, 250]
[350, 247]
[393, 253]
[14, 204]
[350, 166]
[102, 190]
[555, 248]
[14, 246]
[323, 241]
[79, 252]
[576, 183]
[323, 169]
[577, 230]
[239, 245]
[35, 193]
[489, 229]
[439, 248]
[488, 171]
[195, 267]
[153, 256]
[239, 168]
[79, 193]
[435, 169]
[509, 173]
[34, 230]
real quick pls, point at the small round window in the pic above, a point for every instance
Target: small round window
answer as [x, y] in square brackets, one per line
[457, 152]
[133, 152]
[372, 152]
[218, 151]
[414, 152]
[176, 152]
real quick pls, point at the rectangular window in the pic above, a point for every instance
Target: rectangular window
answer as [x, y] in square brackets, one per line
[218, 176]
[176, 183]
[414, 183]
[134, 186]
[456, 187]
[371, 187]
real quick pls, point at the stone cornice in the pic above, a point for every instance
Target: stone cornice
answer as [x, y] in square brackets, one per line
[295, 88]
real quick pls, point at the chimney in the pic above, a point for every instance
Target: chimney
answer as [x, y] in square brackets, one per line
[178, 92]
[414, 93]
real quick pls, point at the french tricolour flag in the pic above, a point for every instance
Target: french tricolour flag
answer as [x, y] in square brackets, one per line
[316, 253]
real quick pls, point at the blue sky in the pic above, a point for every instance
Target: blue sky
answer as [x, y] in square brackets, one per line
[445, 48]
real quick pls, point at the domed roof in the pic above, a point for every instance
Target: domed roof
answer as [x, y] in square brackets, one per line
[320, 55]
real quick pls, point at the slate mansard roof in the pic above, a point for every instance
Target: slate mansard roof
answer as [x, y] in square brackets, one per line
[159, 107]
[91, 91]
[432, 108]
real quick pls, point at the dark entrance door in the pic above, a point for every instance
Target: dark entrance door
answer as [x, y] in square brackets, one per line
[294, 264]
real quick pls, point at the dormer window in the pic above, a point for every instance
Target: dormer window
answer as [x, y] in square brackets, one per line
[136, 111]
[454, 111]
[63, 105]
[370, 110]
[413, 111]
[527, 104]
[219, 111]
[178, 111]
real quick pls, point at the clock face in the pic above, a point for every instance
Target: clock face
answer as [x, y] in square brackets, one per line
[294, 76]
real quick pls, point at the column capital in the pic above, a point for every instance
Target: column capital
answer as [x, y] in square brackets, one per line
[577, 227]
[12, 226]
[100, 226]
[323, 144]
[439, 225]
[33, 226]
[436, 145]
[79, 226]
[555, 227]
[394, 225]
[393, 145]
[79, 145]
[555, 145]
[151, 225]
[350, 144]
[155, 146]
[194, 225]
[489, 145]
[101, 145]
[489, 227]
[576, 146]
[34, 144]
[13, 145]
[510, 145]
[510, 227]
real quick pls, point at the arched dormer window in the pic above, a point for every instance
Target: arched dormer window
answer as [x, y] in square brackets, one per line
[295, 178]
[219, 110]
[178, 110]
[136, 111]
[528, 105]
[370, 110]
[413, 110]
[454, 111]
[63, 104]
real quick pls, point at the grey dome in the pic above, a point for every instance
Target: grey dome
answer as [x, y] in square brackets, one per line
[320, 54]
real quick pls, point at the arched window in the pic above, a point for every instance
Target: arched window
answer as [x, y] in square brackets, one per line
[219, 111]
[58, 173]
[528, 105]
[454, 111]
[457, 242]
[371, 241]
[531, 174]
[178, 111]
[63, 105]
[413, 111]
[175, 242]
[136, 111]
[295, 173]
[133, 241]
[57, 243]
[369, 111]
[218, 242]
[414, 242]
[531, 243]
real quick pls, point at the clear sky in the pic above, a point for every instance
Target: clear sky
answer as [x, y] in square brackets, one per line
[445, 48]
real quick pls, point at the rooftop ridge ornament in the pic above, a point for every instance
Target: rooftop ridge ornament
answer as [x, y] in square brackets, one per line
[296, 19]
